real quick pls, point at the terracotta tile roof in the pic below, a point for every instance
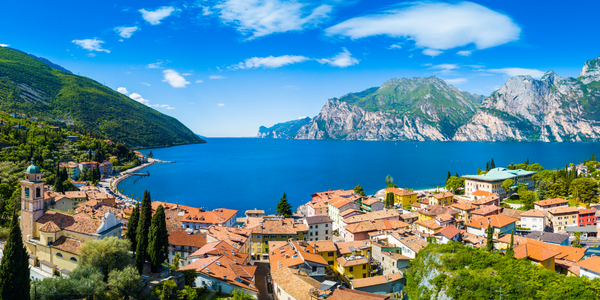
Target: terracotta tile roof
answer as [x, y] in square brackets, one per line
[349, 211]
[234, 236]
[368, 226]
[344, 247]
[592, 264]
[412, 215]
[566, 252]
[497, 221]
[182, 238]
[216, 216]
[255, 211]
[345, 294]
[376, 215]
[347, 262]
[534, 213]
[339, 202]
[283, 226]
[587, 211]
[475, 240]
[370, 201]
[486, 200]
[224, 269]
[318, 204]
[49, 227]
[431, 224]
[293, 254]
[534, 252]
[377, 280]
[486, 210]
[71, 223]
[332, 194]
[434, 210]
[512, 213]
[67, 244]
[552, 201]
[563, 210]
[395, 255]
[296, 283]
[480, 193]
[400, 192]
[323, 246]
[411, 240]
[444, 218]
[464, 206]
[221, 248]
[443, 195]
[76, 194]
[449, 232]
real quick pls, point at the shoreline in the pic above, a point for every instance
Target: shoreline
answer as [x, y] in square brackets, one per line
[113, 184]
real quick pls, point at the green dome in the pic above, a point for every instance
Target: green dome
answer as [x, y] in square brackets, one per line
[33, 169]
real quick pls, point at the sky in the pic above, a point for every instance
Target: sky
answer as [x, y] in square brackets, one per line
[224, 68]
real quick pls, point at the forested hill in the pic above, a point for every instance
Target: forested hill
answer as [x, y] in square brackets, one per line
[29, 86]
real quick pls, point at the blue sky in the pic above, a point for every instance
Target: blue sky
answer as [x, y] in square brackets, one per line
[226, 67]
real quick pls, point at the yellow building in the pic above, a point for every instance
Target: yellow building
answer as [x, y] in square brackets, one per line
[445, 198]
[327, 250]
[402, 196]
[274, 230]
[353, 259]
[537, 254]
[563, 217]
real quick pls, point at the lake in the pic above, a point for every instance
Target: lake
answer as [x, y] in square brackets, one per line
[248, 173]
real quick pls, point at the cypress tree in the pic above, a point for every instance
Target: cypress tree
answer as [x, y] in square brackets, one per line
[132, 225]
[456, 175]
[142, 232]
[490, 239]
[527, 162]
[448, 176]
[487, 166]
[14, 269]
[492, 164]
[510, 252]
[158, 239]
[283, 207]
[593, 157]
[389, 199]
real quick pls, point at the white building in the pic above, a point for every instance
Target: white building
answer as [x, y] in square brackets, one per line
[492, 181]
[319, 228]
[534, 219]
[590, 267]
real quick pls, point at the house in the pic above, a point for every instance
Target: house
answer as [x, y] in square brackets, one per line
[447, 234]
[370, 204]
[218, 249]
[409, 218]
[106, 167]
[326, 249]
[464, 211]
[534, 220]
[88, 165]
[587, 217]
[317, 208]
[549, 237]
[432, 211]
[481, 194]
[401, 196]
[568, 253]
[590, 267]
[410, 242]
[493, 199]
[562, 217]
[537, 254]
[445, 198]
[298, 255]
[500, 225]
[380, 285]
[429, 226]
[274, 230]
[345, 294]
[72, 169]
[493, 179]
[338, 205]
[184, 243]
[236, 237]
[512, 213]
[389, 257]
[319, 228]
[220, 273]
[292, 284]
[550, 203]
[255, 213]
[353, 259]
[486, 211]
[197, 218]
[324, 196]
[360, 231]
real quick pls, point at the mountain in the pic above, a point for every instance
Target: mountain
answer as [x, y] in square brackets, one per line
[401, 109]
[550, 109]
[32, 87]
[46, 61]
[282, 130]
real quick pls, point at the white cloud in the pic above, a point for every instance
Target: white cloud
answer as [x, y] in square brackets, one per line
[187, 74]
[464, 52]
[456, 80]
[4, 45]
[342, 60]
[91, 54]
[216, 77]
[126, 32]
[91, 45]
[432, 52]
[123, 91]
[206, 11]
[145, 83]
[395, 46]
[199, 81]
[435, 25]
[157, 65]
[220, 104]
[137, 97]
[174, 79]
[517, 71]
[445, 67]
[154, 17]
[269, 62]
[264, 17]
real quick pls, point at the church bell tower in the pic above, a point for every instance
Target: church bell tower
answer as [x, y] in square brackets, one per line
[32, 200]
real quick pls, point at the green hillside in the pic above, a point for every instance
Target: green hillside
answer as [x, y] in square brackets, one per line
[30, 86]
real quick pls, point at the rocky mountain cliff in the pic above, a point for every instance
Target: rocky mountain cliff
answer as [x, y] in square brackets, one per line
[282, 130]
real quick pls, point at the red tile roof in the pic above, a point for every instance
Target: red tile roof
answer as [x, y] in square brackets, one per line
[182, 238]
[497, 221]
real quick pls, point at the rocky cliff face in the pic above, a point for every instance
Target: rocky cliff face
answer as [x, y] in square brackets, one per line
[282, 130]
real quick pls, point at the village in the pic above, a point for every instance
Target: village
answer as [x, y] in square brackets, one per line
[340, 244]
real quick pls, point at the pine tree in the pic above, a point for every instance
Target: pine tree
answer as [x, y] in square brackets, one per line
[132, 225]
[14, 269]
[490, 239]
[283, 207]
[510, 252]
[158, 239]
[142, 232]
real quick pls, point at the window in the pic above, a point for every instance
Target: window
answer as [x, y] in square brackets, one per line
[364, 267]
[317, 226]
[326, 231]
[73, 259]
[59, 254]
[351, 269]
[310, 226]
[365, 275]
[326, 225]
[326, 238]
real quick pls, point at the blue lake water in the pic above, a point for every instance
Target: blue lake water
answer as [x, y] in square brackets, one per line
[248, 173]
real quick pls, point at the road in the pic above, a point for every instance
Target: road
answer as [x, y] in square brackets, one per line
[262, 271]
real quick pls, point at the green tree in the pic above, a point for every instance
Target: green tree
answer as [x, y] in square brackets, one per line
[164, 290]
[492, 164]
[131, 233]
[455, 183]
[126, 283]
[478, 171]
[584, 188]
[238, 294]
[506, 184]
[190, 276]
[389, 200]
[447, 176]
[528, 199]
[188, 293]
[389, 181]
[158, 236]
[359, 190]
[176, 261]
[557, 189]
[14, 268]
[510, 252]
[490, 239]
[107, 254]
[142, 232]
[577, 241]
[541, 186]
[284, 208]
[83, 283]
